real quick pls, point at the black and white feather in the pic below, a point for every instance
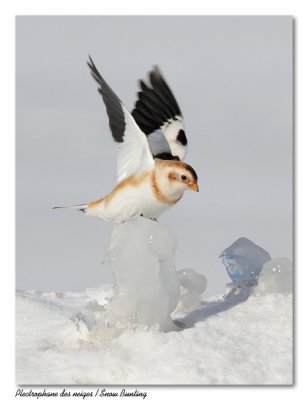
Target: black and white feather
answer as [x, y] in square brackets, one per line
[134, 153]
[158, 115]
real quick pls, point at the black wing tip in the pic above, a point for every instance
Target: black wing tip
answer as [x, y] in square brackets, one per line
[143, 86]
[90, 63]
[156, 103]
[94, 71]
[156, 72]
[112, 102]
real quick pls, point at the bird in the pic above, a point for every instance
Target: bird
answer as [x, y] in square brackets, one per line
[152, 144]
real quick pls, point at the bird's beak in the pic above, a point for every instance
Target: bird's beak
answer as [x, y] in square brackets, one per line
[193, 186]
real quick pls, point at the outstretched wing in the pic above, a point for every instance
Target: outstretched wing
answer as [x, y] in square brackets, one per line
[156, 108]
[134, 154]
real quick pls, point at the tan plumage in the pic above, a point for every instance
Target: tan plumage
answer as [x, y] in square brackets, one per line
[148, 194]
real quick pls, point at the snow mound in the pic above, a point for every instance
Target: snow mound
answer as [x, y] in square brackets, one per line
[153, 327]
[225, 342]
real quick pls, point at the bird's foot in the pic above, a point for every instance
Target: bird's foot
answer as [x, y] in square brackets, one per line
[152, 219]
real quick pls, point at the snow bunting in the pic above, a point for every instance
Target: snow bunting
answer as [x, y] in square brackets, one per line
[151, 174]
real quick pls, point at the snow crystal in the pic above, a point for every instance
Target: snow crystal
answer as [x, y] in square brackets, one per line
[244, 260]
[276, 277]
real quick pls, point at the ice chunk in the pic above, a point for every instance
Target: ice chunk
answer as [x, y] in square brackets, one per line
[192, 286]
[276, 277]
[147, 288]
[244, 260]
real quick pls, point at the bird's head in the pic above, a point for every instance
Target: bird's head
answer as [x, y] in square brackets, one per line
[183, 176]
[175, 177]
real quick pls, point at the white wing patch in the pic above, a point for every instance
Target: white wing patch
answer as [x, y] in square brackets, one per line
[134, 154]
[171, 131]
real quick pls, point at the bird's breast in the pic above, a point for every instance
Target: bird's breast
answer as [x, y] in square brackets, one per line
[138, 196]
[131, 201]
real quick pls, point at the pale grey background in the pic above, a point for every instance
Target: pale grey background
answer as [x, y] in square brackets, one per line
[232, 77]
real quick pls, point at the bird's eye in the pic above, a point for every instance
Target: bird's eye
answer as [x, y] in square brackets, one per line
[184, 177]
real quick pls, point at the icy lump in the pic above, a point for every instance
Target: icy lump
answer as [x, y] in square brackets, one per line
[276, 277]
[192, 286]
[147, 288]
[249, 265]
[244, 260]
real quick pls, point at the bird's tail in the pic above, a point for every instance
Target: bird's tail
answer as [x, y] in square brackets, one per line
[80, 207]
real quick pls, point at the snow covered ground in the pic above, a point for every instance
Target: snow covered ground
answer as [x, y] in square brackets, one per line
[62, 338]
